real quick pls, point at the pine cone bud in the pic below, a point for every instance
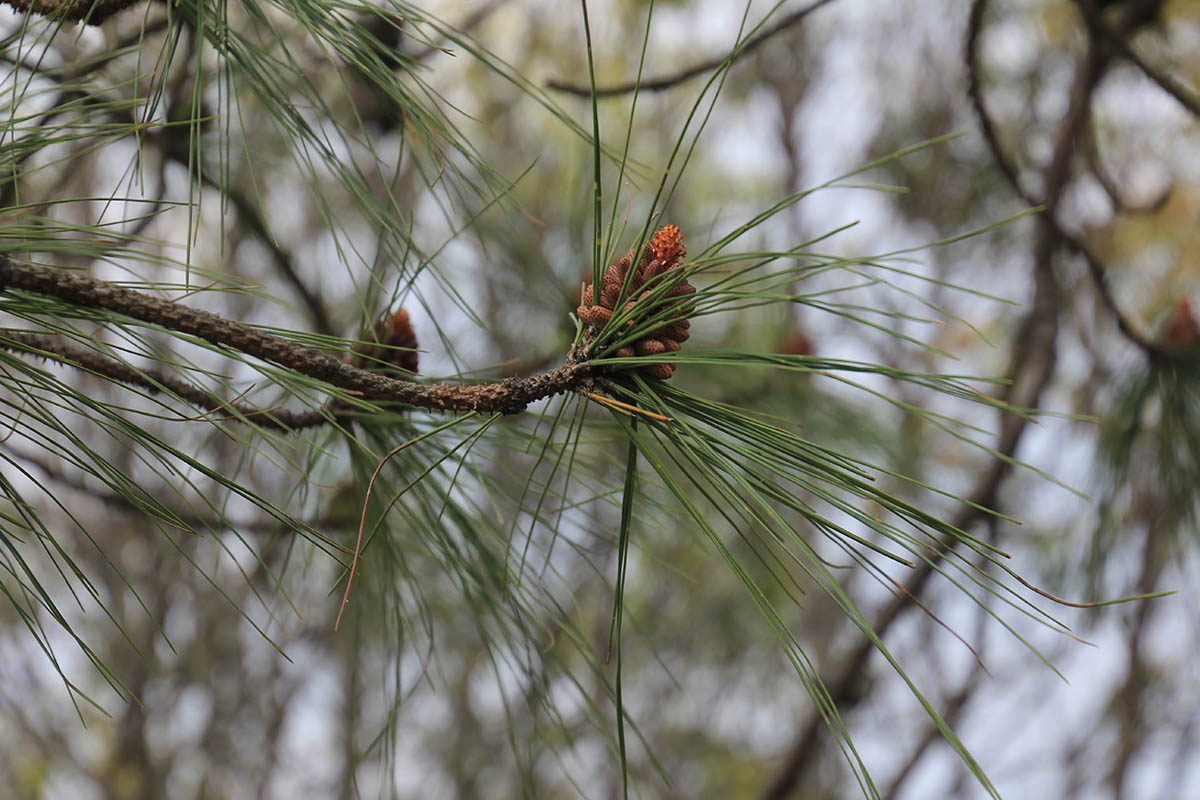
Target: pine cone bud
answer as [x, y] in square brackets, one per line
[676, 330]
[594, 315]
[649, 347]
[668, 245]
[395, 344]
[660, 371]
[656, 261]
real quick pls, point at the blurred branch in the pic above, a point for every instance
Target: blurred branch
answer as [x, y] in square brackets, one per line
[846, 680]
[1118, 41]
[69, 73]
[951, 713]
[1009, 170]
[1128, 699]
[667, 82]
[1097, 168]
[466, 26]
[71, 97]
[153, 508]
[958, 702]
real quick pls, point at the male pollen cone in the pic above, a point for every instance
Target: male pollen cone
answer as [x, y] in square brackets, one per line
[395, 345]
[658, 264]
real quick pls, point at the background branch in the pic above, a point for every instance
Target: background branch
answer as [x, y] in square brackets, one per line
[1010, 172]
[669, 81]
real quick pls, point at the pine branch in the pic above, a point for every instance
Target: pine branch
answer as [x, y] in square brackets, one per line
[509, 396]
[90, 12]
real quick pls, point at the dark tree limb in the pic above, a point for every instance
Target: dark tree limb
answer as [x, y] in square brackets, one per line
[1118, 40]
[1110, 187]
[669, 81]
[89, 12]
[1183, 95]
[1010, 172]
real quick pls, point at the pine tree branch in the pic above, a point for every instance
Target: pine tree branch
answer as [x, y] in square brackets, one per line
[510, 396]
[249, 215]
[90, 12]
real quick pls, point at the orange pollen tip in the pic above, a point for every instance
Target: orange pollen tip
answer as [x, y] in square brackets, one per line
[667, 244]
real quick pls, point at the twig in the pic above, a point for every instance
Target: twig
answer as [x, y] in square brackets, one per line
[661, 84]
[1118, 41]
[1110, 187]
[510, 396]
[1009, 170]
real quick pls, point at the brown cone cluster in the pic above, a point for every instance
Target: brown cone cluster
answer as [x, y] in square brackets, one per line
[395, 344]
[661, 255]
[1181, 329]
